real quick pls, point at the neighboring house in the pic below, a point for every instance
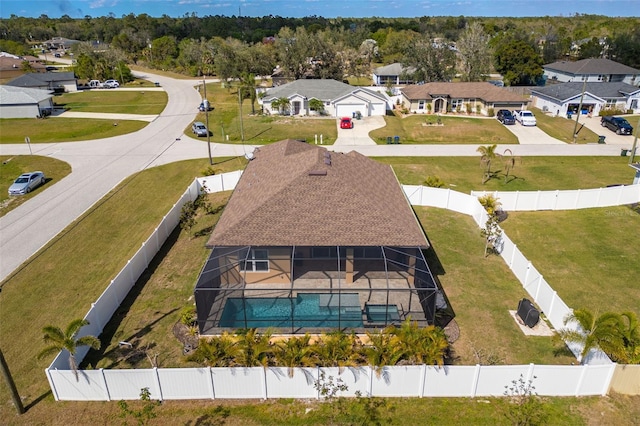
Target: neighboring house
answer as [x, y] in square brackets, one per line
[394, 74]
[24, 103]
[564, 97]
[59, 43]
[339, 99]
[312, 239]
[446, 97]
[595, 70]
[13, 66]
[56, 81]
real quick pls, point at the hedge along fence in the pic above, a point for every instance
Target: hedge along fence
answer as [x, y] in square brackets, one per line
[203, 382]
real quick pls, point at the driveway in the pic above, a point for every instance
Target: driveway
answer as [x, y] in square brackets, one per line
[623, 141]
[359, 135]
[532, 135]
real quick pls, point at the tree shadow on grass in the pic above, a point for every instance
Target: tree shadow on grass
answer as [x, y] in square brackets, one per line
[107, 335]
[37, 400]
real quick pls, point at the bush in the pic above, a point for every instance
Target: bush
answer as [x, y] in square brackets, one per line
[608, 112]
[490, 112]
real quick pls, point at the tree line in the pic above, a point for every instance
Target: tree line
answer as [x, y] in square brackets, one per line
[431, 48]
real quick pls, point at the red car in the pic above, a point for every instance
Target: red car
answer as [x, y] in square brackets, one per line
[346, 123]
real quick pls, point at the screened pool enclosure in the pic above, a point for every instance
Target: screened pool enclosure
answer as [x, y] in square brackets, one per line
[299, 289]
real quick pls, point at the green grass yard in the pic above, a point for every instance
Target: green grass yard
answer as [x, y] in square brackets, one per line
[59, 283]
[146, 102]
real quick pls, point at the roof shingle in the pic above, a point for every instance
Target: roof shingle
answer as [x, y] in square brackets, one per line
[293, 193]
[468, 90]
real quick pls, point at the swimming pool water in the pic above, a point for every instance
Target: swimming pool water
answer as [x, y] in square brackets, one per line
[306, 310]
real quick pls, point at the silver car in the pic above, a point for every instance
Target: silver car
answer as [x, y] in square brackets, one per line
[27, 182]
[199, 129]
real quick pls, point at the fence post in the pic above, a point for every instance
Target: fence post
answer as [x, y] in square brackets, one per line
[318, 381]
[371, 381]
[526, 275]
[575, 204]
[538, 291]
[146, 261]
[104, 382]
[515, 202]
[423, 380]
[555, 203]
[607, 383]
[212, 388]
[553, 299]
[581, 379]
[264, 383]
[52, 384]
[474, 383]
[530, 372]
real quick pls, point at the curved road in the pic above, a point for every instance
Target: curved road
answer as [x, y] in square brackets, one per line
[99, 165]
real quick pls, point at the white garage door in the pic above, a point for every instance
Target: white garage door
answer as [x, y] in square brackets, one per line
[347, 110]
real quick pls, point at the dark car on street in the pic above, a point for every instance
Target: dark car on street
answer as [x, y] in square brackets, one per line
[617, 124]
[505, 117]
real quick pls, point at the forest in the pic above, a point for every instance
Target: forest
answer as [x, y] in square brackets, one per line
[435, 48]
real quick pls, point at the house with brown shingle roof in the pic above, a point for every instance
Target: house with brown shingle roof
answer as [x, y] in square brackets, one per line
[312, 239]
[441, 97]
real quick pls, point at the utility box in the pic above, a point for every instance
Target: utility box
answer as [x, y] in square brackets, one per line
[528, 313]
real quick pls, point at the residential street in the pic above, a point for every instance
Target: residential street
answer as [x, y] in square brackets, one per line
[99, 165]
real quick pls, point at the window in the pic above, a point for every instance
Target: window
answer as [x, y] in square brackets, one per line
[420, 104]
[257, 260]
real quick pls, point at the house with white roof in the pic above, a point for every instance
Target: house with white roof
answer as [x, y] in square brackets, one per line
[338, 99]
[593, 70]
[16, 102]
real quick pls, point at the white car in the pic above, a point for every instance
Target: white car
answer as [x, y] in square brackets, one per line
[27, 182]
[111, 84]
[526, 118]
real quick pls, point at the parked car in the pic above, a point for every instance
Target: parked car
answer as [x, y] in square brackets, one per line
[95, 84]
[505, 117]
[346, 123]
[526, 118]
[26, 183]
[617, 124]
[205, 106]
[111, 84]
[199, 129]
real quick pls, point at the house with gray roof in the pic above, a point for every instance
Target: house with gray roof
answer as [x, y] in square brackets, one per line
[338, 99]
[24, 103]
[593, 70]
[56, 81]
[442, 97]
[312, 239]
[565, 97]
[394, 74]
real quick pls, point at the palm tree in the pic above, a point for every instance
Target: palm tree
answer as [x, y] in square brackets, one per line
[248, 87]
[218, 351]
[426, 345]
[295, 352]
[597, 332]
[59, 340]
[339, 349]
[254, 349]
[509, 163]
[630, 330]
[280, 104]
[382, 349]
[487, 154]
[490, 203]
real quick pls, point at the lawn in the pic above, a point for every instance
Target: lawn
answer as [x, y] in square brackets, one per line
[256, 128]
[12, 167]
[114, 101]
[562, 128]
[54, 129]
[413, 129]
[464, 174]
[70, 272]
[588, 256]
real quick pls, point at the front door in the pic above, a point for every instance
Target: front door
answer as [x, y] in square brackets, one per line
[296, 107]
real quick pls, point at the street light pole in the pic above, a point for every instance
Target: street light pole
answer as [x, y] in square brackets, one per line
[575, 128]
[635, 143]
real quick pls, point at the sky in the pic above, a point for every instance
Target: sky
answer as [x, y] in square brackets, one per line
[324, 8]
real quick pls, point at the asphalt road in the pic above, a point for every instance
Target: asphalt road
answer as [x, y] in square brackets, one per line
[99, 165]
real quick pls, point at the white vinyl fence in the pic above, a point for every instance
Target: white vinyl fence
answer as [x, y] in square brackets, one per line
[274, 382]
[566, 200]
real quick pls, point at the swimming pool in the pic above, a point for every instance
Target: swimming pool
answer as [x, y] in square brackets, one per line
[305, 310]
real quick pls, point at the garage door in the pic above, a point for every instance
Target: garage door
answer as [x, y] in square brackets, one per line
[346, 110]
